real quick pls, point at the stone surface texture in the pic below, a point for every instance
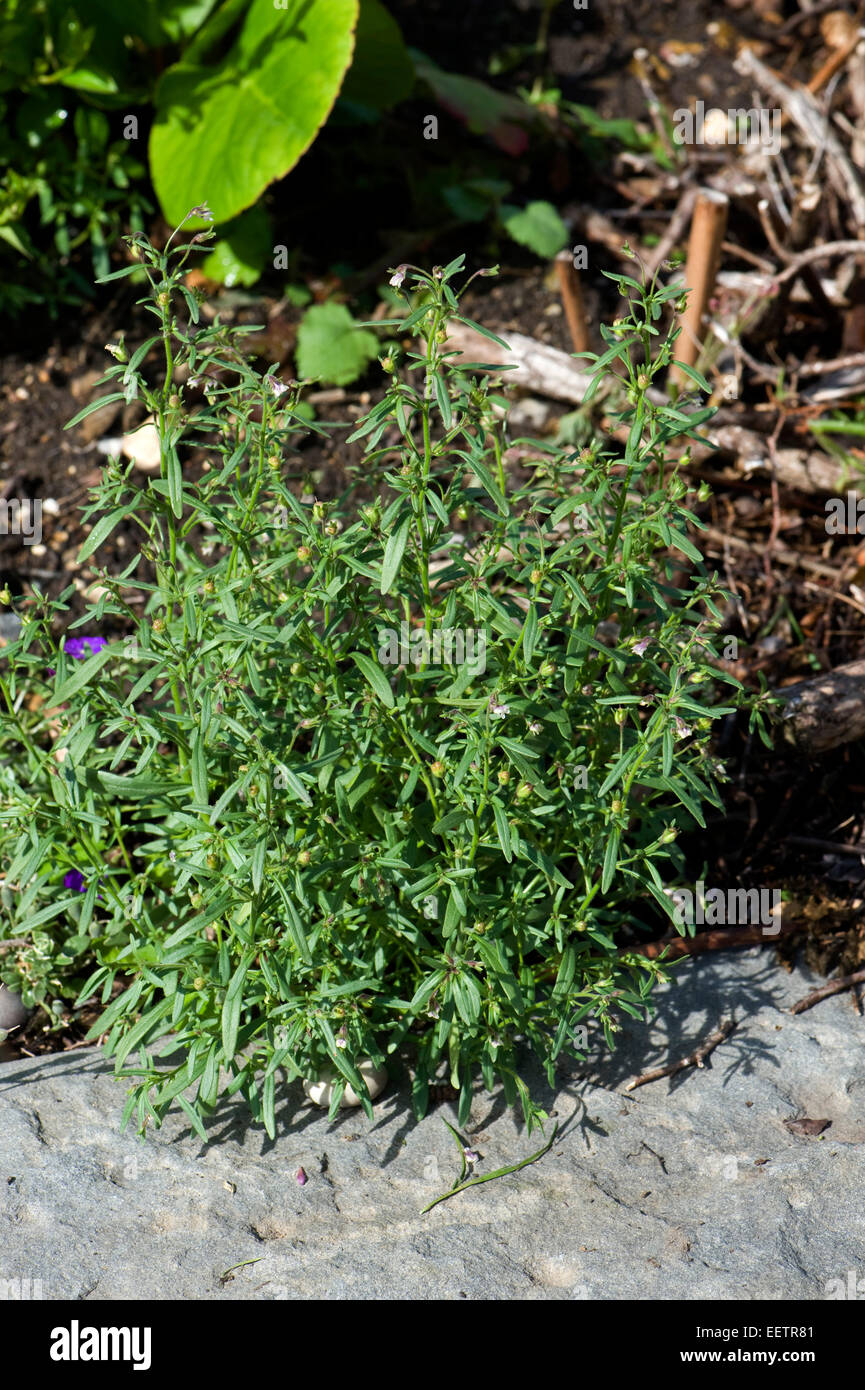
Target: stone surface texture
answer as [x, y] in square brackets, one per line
[691, 1187]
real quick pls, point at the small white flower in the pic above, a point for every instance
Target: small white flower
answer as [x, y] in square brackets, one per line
[274, 385]
[642, 645]
[116, 350]
[471, 1155]
[201, 210]
[500, 711]
[398, 276]
[536, 727]
[682, 729]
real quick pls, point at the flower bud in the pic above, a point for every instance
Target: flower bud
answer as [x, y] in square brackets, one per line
[620, 716]
[524, 791]
[5, 596]
[274, 461]
[303, 553]
[504, 776]
[669, 835]
[199, 982]
[304, 858]
[158, 625]
[616, 806]
[548, 668]
[319, 511]
[320, 688]
[208, 586]
[296, 668]
[642, 381]
[437, 768]
[536, 576]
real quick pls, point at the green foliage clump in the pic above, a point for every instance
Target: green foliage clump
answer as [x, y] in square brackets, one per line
[369, 778]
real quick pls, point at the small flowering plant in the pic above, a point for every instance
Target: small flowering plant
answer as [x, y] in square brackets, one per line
[275, 837]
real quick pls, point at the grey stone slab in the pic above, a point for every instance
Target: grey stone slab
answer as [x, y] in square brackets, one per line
[688, 1188]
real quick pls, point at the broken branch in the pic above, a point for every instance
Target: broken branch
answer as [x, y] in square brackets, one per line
[825, 991]
[696, 1059]
[708, 227]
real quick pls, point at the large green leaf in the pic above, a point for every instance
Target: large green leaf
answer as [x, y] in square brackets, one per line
[239, 256]
[331, 347]
[223, 133]
[537, 226]
[382, 72]
[482, 108]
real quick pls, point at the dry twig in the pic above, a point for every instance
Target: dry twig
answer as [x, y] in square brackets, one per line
[696, 1059]
[572, 298]
[708, 226]
[825, 991]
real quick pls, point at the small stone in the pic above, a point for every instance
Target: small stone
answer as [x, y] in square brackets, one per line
[321, 1091]
[13, 1014]
[143, 446]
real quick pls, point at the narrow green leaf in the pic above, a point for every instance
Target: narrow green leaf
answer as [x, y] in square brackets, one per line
[503, 830]
[394, 551]
[375, 676]
[199, 769]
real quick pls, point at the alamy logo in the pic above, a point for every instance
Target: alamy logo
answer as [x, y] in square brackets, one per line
[17, 1290]
[853, 1288]
[737, 126]
[729, 907]
[449, 646]
[845, 516]
[77, 1343]
[22, 518]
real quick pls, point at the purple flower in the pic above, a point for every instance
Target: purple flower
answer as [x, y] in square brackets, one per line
[398, 276]
[471, 1155]
[75, 880]
[77, 646]
[300, 1178]
[682, 729]
[640, 647]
